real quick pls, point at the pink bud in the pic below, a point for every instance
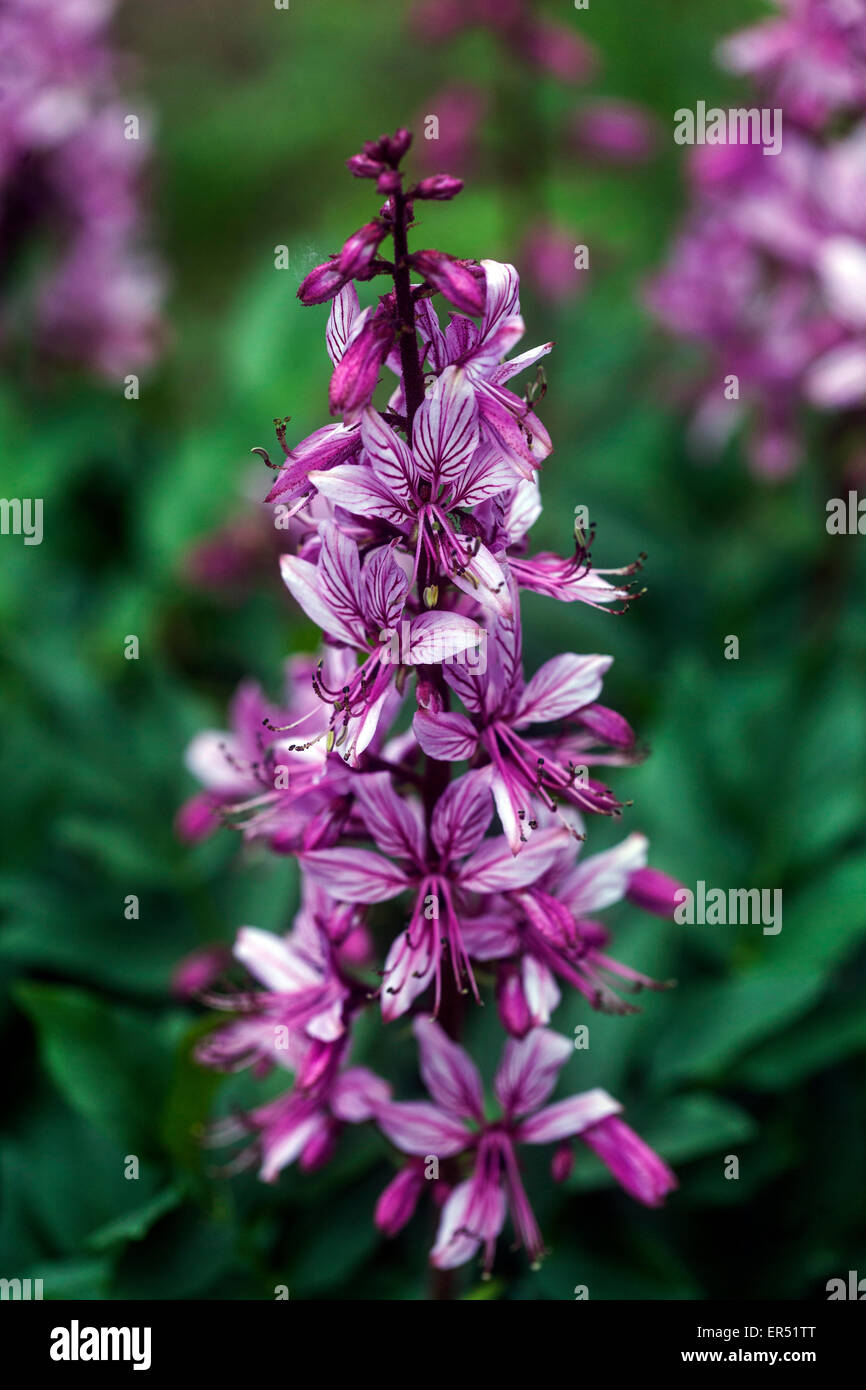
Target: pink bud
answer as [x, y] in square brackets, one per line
[196, 972]
[399, 143]
[439, 186]
[514, 1010]
[363, 167]
[452, 278]
[357, 949]
[389, 149]
[316, 1061]
[592, 935]
[354, 378]
[558, 51]
[359, 250]
[319, 1149]
[389, 182]
[196, 819]
[427, 694]
[398, 1201]
[653, 891]
[322, 283]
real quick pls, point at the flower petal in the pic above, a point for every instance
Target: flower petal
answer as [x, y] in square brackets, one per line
[448, 1072]
[302, 581]
[417, 1127]
[462, 815]
[473, 1206]
[568, 1117]
[357, 488]
[437, 636]
[450, 738]
[561, 686]
[602, 879]
[357, 1094]
[390, 459]
[274, 961]
[355, 875]
[494, 868]
[445, 430]
[529, 1069]
[394, 823]
[344, 311]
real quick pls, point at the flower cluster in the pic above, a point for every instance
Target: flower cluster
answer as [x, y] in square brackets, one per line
[70, 168]
[768, 273]
[412, 520]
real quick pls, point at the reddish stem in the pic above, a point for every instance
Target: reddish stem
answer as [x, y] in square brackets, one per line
[413, 377]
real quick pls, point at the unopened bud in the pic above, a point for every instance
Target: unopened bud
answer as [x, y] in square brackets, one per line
[389, 182]
[439, 186]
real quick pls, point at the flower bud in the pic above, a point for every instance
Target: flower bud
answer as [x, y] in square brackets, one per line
[322, 283]
[511, 1002]
[653, 891]
[618, 131]
[439, 186]
[197, 972]
[196, 819]
[558, 51]
[363, 167]
[355, 376]
[359, 250]
[398, 1201]
[389, 182]
[452, 278]
[388, 149]
[319, 1149]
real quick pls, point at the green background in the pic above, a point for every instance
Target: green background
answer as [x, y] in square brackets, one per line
[757, 770]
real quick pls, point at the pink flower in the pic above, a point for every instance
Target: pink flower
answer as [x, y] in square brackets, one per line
[305, 1123]
[527, 772]
[547, 929]
[455, 1123]
[359, 606]
[443, 874]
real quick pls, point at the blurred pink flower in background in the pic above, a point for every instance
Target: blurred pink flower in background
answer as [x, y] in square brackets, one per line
[548, 254]
[768, 271]
[71, 161]
[616, 132]
[600, 131]
[459, 109]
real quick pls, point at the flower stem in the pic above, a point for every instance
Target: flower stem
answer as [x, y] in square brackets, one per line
[413, 377]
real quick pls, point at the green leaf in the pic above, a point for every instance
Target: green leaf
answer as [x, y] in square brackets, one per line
[134, 1225]
[110, 1063]
[816, 1043]
[717, 1021]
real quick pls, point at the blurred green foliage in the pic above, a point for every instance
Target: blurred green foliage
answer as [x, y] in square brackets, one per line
[757, 768]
